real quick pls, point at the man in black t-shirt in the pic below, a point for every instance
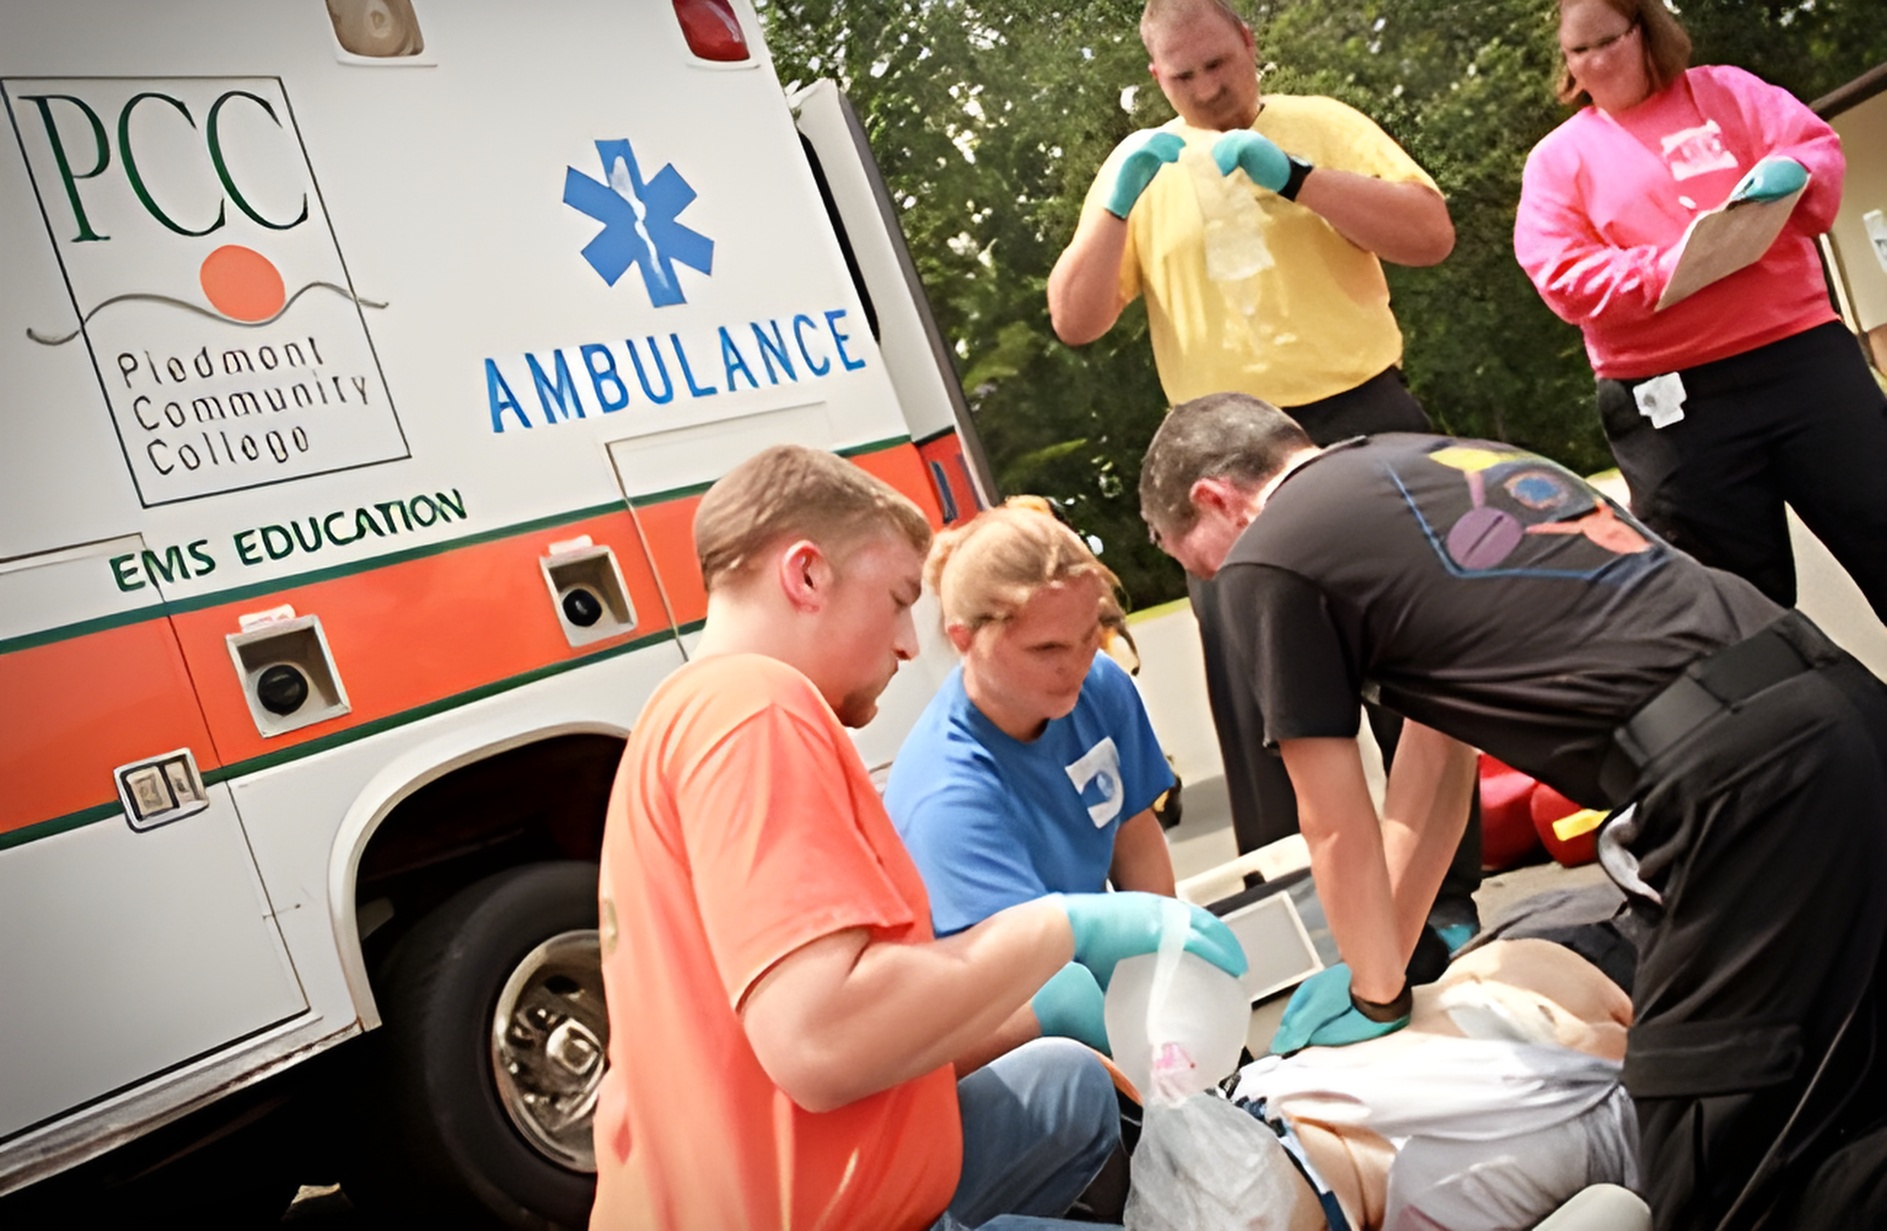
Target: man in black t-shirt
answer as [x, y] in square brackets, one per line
[1498, 601]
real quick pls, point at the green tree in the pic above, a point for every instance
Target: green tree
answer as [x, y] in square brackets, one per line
[987, 121]
[1466, 89]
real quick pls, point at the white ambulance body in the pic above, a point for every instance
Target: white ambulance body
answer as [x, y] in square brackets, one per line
[355, 409]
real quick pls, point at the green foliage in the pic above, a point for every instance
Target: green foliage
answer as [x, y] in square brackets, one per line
[989, 117]
[1466, 89]
[988, 121]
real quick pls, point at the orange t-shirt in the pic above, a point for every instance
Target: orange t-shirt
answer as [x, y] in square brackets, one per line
[743, 826]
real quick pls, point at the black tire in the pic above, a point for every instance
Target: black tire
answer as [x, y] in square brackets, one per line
[438, 1143]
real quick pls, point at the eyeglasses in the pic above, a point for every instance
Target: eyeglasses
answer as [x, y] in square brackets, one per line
[1593, 48]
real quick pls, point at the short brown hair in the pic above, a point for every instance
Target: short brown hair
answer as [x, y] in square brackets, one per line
[1162, 13]
[791, 492]
[1219, 436]
[983, 571]
[1666, 47]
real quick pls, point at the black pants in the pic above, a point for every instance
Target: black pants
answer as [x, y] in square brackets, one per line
[1800, 420]
[1264, 807]
[1765, 833]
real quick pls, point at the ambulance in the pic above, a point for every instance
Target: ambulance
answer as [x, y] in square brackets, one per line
[362, 363]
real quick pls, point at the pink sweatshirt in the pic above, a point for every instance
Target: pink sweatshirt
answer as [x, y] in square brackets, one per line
[1606, 198]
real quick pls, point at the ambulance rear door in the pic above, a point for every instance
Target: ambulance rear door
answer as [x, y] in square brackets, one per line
[916, 353]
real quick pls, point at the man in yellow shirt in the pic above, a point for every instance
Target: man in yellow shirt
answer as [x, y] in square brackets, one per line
[1255, 228]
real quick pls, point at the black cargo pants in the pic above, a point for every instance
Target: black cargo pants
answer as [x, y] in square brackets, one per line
[1764, 831]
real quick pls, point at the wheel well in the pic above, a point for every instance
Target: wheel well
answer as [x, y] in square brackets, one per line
[540, 801]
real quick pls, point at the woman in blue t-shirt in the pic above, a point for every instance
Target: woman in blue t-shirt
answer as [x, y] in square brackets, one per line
[1034, 769]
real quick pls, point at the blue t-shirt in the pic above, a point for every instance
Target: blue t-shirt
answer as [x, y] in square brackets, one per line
[992, 821]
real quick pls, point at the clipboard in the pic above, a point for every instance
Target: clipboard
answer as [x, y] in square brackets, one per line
[1728, 238]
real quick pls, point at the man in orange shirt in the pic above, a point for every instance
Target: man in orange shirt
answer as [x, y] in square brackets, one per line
[786, 1037]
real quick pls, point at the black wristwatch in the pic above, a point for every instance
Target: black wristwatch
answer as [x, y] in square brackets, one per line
[1300, 168]
[1394, 1010]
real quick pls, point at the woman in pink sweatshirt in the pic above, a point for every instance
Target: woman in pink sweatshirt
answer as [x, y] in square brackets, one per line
[1750, 392]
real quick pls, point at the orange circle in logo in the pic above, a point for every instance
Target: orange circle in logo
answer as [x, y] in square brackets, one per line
[241, 283]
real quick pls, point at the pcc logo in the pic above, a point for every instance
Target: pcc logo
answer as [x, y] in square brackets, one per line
[205, 280]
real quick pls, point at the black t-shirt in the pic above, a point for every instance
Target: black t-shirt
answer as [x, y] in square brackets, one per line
[1475, 588]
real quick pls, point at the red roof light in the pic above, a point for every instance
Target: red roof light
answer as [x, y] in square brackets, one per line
[712, 30]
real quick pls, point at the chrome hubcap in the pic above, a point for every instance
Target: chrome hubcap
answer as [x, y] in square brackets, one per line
[549, 1038]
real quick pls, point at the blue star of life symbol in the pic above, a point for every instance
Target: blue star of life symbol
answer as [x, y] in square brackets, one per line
[639, 222]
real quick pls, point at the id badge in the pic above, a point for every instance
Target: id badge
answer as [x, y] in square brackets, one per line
[1661, 399]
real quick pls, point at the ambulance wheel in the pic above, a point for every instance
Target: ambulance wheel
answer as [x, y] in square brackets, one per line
[482, 1081]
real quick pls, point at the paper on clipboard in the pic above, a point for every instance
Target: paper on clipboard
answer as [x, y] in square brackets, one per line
[1726, 239]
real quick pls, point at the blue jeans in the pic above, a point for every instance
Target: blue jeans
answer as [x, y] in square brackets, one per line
[1037, 1125]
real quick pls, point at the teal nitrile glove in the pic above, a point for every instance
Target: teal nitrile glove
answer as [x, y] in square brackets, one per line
[1148, 155]
[1069, 1006]
[1771, 179]
[1263, 161]
[1111, 926]
[1320, 1013]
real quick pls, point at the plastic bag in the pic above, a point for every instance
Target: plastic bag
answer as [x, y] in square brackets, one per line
[1234, 221]
[1236, 252]
[1204, 1165]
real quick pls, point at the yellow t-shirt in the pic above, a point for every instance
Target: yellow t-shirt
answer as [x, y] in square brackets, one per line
[1319, 322]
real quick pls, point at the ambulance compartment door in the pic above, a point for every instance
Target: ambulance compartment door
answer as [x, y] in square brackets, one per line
[917, 357]
[138, 934]
[663, 474]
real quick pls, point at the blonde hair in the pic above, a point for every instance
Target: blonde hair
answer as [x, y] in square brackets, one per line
[1666, 48]
[791, 492]
[985, 570]
[1164, 14]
